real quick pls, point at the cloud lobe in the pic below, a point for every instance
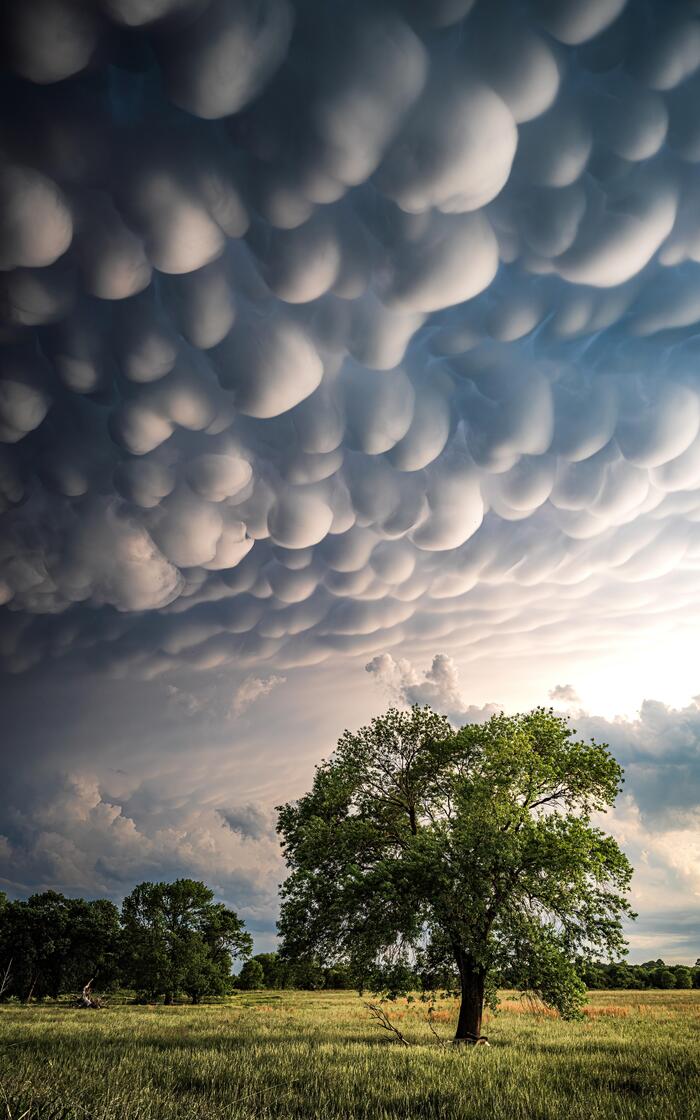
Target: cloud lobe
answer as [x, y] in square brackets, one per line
[325, 329]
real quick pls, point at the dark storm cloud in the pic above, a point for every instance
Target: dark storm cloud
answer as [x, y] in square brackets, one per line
[660, 751]
[249, 821]
[76, 833]
[327, 326]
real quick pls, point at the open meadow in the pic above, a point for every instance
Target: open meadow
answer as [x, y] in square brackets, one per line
[292, 1055]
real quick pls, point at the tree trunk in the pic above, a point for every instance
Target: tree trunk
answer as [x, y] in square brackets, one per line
[168, 998]
[471, 1008]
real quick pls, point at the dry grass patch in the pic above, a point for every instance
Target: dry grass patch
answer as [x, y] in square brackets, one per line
[608, 1011]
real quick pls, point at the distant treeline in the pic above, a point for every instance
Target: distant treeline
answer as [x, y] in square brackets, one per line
[171, 940]
[651, 974]
[268, 970]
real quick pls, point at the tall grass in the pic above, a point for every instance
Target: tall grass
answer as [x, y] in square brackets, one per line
[302, 1056]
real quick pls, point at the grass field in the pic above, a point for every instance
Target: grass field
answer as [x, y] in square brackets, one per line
[292, 1055]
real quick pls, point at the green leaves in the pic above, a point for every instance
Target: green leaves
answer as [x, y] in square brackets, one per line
[57, 944]
[478, 839]
[177, 939]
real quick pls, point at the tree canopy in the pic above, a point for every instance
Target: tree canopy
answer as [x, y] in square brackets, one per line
[251, 976]
[177, 939]
[474, 848]
[52, 944]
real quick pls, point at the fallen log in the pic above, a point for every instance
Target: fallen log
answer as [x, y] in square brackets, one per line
[87, 1000]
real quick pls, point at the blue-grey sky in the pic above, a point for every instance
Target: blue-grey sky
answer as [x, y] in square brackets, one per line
[349, 352]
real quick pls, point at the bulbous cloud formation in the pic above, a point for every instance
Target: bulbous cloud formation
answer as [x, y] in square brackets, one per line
[328, 326]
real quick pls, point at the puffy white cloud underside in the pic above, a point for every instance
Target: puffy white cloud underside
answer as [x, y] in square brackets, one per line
[325, 331]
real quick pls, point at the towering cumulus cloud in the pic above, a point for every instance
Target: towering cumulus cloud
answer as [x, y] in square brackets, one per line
[332, 325]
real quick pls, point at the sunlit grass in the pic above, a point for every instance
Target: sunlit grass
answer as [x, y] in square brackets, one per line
[294, 1055]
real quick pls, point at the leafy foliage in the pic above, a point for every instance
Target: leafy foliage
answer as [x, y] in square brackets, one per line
[251, 977]
[307, 974]
[177, 939]
[172, 938]
[637, 977]
[477, 846]
[56, 944]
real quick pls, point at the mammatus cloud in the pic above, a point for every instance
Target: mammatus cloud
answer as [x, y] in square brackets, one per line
[329, 328]
[564, 694]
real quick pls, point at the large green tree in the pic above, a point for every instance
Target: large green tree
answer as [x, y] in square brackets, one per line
[475, 847]
[177, 939]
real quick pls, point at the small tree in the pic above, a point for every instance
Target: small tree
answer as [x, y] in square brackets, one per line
[477, 843]
[251, 977]
[664, 978]
[274, 973]
[338, 978]
[177, 939]
[684, 977]
[307, 974]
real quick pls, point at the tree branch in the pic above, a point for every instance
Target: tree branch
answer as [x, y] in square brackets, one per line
[384, 1021]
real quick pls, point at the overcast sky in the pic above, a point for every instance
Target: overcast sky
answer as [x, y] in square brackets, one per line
[349, 354]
